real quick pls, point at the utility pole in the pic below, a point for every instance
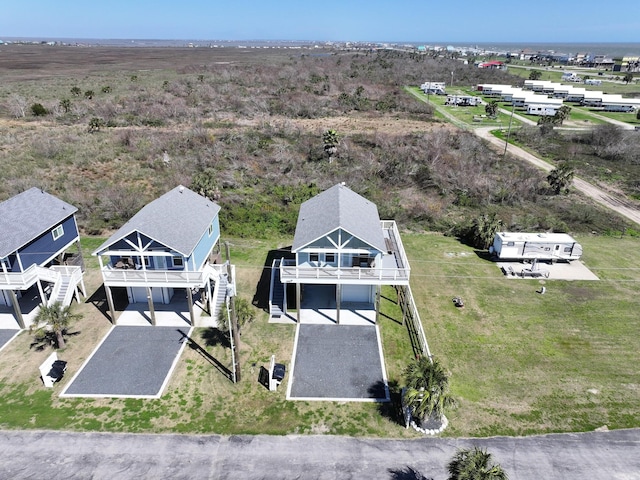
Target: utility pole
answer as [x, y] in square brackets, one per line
[506, 142]
[234, 320]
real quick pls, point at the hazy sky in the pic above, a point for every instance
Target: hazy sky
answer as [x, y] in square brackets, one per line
[371, 20]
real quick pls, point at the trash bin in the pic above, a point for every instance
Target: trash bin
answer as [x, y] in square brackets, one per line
[278, 372]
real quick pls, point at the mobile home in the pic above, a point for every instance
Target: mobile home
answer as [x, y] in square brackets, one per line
[540, 246]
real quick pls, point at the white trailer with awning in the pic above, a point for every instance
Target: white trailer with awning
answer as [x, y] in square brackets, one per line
[540, 246]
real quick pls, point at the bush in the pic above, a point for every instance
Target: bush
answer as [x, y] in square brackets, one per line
[38, 110]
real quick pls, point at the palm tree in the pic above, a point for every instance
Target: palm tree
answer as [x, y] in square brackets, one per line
[331, 140]
[474, 464]
[55, 319]
[245, 313]
[560, 179]
[491, 108]
[561, 114]
[427, 391]
[484, 229]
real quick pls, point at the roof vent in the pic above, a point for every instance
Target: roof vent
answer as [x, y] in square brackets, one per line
[181, 189]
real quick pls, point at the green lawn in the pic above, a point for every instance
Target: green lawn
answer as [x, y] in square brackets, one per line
[520, 362]
[469, 116]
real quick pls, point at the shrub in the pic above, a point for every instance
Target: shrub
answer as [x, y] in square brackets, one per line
[38, 110]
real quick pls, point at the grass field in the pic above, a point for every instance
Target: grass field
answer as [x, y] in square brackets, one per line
[520, 362]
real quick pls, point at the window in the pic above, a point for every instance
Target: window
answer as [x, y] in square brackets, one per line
[147, 261]
[57, 232]
[313, 257]
[177, 261]
[510, 244]
[330, 258]
[210, 229]
[567, 249]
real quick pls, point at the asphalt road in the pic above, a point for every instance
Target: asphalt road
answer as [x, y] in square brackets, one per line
[613, 455]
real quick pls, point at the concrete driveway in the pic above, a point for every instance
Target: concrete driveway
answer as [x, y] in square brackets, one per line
[61, 455]
[130, 362]
[338, 363]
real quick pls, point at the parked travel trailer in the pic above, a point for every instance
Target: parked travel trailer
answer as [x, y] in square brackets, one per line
[570, 77]
[434, 88]
[593, 81]
[463, 100]
[542, 110]
[540, 246]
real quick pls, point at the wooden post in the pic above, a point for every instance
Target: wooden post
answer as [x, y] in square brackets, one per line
[152, 311]
[190, 303]
[110, 302]
[298, 287]
[338, 295]
[378, 295]
[16, 308]
[234, 317]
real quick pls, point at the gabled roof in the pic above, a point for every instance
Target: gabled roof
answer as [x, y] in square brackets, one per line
[338, 207]
[28, 215]
[177, 219]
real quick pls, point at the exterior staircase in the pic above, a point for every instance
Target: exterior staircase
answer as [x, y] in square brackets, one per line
[277, 294]
[221, 295]
[66, 284]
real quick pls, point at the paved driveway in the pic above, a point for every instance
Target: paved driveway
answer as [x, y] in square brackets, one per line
[130, 362]
[338, 362]
[6, 335]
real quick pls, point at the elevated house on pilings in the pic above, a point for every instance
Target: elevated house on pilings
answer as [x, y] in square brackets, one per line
[170, 247]
[340, 243]
[38, 264]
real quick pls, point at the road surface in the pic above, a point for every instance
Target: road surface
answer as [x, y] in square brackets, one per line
[612, 455]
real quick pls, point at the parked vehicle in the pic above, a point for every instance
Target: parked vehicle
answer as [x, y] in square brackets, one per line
[540, 246]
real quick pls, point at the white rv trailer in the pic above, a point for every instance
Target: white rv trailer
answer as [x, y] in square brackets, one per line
[570, 77]
[576, 94]
[436, 88]
[542, 110]
[540, 246]
[592, 98]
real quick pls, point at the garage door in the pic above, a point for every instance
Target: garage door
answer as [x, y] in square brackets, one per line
[357, 293]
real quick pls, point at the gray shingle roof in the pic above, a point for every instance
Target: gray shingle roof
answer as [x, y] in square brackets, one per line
[338, 207]
[177, 219]
[28, 215]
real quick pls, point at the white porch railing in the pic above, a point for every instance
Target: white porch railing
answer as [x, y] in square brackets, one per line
[20, 280]
[114, 277]
[394, 235]
[289, 271]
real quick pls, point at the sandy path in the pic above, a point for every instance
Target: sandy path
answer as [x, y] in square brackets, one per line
[618, 204]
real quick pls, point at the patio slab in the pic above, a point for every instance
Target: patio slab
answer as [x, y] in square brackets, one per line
[131, 361]
[575, 270]
[338, 363]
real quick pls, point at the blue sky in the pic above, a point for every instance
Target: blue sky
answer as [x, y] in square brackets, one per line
[346, 20]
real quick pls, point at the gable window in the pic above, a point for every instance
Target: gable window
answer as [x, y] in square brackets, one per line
[177, 261]
[57, 232]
